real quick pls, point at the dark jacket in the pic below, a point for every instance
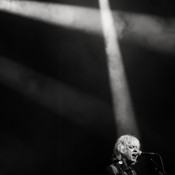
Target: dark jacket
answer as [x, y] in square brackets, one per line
[120, 167]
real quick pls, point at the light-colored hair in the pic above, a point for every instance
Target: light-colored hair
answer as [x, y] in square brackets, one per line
[121, 143]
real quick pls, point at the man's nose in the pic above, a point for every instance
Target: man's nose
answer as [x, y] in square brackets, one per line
[136, 150]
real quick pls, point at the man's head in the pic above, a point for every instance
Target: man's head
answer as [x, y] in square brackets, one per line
[127, 146]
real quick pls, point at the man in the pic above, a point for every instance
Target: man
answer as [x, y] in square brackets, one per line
[126, 152]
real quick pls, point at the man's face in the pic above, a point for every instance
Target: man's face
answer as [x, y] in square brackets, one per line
[132, 151]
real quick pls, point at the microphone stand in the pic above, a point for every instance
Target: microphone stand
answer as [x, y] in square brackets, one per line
[157, 167]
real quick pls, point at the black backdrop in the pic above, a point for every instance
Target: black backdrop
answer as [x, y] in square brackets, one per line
[38, 140]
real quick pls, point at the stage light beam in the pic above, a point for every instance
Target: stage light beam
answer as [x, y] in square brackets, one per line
[149, 31]
[68, 16]
[123, 110]
[79, 108]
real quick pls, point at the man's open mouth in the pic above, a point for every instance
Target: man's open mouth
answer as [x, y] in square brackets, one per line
[134, 156]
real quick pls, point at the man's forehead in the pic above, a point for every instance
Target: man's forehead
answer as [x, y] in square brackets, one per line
[133, 143]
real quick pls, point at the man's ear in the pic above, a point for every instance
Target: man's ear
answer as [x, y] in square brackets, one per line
[122, 149]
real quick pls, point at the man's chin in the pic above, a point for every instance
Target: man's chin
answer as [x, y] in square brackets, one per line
[133, 161]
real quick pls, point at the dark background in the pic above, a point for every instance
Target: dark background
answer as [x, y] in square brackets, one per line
[34, 139]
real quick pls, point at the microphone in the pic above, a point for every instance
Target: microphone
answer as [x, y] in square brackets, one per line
[147, 153]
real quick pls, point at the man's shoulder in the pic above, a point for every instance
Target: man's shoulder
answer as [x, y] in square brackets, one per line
[112, 170]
